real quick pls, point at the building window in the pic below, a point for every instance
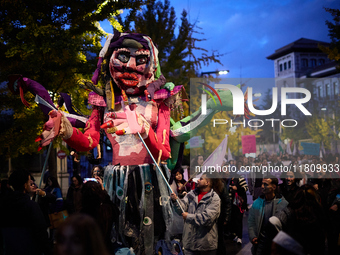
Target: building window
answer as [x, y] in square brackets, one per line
[335, 89]
[315, 92]
[285, 66]
[328, 91]
[313, 62]
[320, 91]
[321, 61]
[289, 64]
[280, 67]
[304, 62]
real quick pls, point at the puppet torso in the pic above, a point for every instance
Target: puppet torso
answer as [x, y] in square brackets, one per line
[128, 149]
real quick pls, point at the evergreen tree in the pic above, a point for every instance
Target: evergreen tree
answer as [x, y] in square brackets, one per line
[334, 32]
[54, 42]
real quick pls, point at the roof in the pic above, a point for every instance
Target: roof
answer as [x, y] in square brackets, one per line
[301, 45]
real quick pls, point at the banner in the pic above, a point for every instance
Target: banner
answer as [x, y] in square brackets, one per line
[311, 148]
[215, 158]
[248, 144]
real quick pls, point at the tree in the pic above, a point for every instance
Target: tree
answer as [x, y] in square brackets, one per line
[54, 43]
[319, 130]
[334, 32]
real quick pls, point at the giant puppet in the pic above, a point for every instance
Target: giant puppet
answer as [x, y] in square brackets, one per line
[135, 99]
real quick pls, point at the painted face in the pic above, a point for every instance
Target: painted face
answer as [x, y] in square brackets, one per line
[130, 69]
[69, 243]
[178, 176]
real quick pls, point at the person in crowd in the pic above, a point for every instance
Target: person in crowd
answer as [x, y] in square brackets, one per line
[262, 209]
[328, 189]
[255, 180]
[54, 188]
[303, 219]
[221, 189]
[177, 185]
[22, 223]
[201, 211]
[289, 185]
[97, 172]
[274, 161]
[239, 165]
[80, 235]
[303, 175]
[237, 192]
[177, 182]
[73, 198]
[5, 189]
[43, 198]
[197, 161]
[96, 203]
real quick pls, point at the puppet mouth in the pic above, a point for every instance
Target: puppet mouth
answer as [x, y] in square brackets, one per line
[129, 79]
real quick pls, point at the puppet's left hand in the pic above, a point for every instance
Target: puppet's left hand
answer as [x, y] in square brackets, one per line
[136, 122]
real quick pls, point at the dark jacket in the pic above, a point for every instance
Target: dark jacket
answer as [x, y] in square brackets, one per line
[256, 214]
[73, 200]
[23, 227]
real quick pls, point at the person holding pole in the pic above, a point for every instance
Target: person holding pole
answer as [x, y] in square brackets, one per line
[201, 211]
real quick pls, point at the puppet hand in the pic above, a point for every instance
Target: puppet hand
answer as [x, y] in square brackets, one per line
[169, 86]
[135, 122]
[50, 130]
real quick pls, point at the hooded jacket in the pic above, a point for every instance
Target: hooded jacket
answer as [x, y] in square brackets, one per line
[200, 227]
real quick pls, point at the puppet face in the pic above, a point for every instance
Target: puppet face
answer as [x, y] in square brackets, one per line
[130, 69]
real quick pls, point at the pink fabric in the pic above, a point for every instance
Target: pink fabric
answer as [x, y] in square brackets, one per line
[96, 99]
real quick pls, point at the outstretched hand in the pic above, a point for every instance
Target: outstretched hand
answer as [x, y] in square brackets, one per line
[135, 121]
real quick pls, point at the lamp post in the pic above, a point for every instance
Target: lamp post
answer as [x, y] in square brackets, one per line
[222, 72]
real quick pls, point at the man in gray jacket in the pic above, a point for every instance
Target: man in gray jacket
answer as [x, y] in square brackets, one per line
[262, 209]
[201, 210]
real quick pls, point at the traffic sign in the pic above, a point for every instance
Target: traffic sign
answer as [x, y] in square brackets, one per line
[61, 154]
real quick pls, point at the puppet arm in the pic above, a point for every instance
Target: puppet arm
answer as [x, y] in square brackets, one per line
[82, 141]
[158, 140]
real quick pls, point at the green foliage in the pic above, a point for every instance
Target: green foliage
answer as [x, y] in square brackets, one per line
[52, 42]
[320, 130]
[334, 32]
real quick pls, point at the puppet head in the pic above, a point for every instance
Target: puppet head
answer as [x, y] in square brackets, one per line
[132, 62]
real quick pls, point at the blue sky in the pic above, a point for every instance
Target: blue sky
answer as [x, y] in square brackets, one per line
[248, 31]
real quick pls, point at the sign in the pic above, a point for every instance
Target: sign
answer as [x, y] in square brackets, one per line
[195, 142]
[311, 148]
[248, 144]
[61, 154]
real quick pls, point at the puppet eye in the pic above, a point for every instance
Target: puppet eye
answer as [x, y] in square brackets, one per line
[147, 221]
[141, 60]
[119, 193]
[148, 187]
[123, 57]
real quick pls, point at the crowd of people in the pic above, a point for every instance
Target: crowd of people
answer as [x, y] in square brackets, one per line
[294, 212]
